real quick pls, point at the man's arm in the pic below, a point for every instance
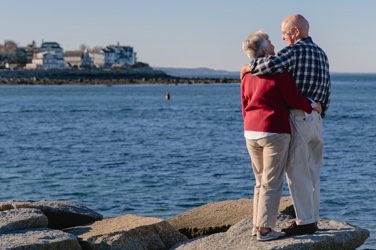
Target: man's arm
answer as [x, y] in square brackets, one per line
[264, 65]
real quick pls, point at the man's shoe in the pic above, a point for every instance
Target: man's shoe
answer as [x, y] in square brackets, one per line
[271, 235]
[295, 229]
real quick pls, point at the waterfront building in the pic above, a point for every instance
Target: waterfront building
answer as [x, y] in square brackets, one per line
[98, 58]
[119, 55]
[87, 62]
[73, 58]
[49, 56]
[86, 59]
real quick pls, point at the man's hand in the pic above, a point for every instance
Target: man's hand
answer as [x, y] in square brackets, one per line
[318, 107]
[244, 70]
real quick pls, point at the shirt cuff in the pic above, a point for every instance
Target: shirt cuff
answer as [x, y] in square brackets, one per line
[313, 103]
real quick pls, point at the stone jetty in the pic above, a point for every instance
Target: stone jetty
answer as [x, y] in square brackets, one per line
[219, 225]
[132, 75]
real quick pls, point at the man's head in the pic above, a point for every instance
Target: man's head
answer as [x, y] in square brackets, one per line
[294, 28]
[257, 44]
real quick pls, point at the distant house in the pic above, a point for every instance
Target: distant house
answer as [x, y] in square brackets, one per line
[98, 58]
[79, 59]
[73, 58]
[120, 55]
[87, 62]
[53, 48]
[49, 56]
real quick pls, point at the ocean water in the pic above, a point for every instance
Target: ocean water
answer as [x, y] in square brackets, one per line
[125, 149]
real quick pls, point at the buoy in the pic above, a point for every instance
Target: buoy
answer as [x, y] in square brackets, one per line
[168, 96]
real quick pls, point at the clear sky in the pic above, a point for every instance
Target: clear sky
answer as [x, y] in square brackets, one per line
[194, 33]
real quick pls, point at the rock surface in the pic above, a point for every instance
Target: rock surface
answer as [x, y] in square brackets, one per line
[128, 232]
[39, 239]
[16, 219]
[60, 214]
[22, 226]
[219, 216]
[332, 235]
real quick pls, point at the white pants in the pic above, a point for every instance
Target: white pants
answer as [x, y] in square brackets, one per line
[269, 158]
[304, 165]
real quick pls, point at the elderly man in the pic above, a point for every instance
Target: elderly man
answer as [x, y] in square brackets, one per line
[309, 67]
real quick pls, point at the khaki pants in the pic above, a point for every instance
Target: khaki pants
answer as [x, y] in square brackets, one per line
[269, 158]
[304, 165]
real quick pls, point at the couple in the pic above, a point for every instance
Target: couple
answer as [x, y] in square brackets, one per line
[284, 98]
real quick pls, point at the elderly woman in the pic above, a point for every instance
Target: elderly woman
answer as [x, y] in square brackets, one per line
[265, 103]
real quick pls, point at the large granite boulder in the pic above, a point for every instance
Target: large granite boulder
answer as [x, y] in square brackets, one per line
[16, 219]
[60, 214]
[127, 232]
[38, 239]
[219, 216]
[332, 235]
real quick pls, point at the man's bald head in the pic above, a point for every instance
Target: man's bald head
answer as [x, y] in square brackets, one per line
[294, 28]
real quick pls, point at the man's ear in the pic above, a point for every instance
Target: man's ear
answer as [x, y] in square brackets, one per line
[297, 32]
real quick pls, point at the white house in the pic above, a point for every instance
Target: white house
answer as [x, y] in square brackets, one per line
[121, 55]
[50, 56]
[98, 58]
[73, 58]
[79, 59]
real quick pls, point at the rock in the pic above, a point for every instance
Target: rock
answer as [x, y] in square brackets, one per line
[60, 214]
[127, 232]
[332, 235]
[41, 238]
[219, 216]
[16, 219]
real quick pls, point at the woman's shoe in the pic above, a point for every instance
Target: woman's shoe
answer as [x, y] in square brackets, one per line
[271, 235]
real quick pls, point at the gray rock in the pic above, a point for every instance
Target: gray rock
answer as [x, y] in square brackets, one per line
[16, 219]
[60, 214]
[332, 235]
[219, 216]
[128, 232]
[39, 239]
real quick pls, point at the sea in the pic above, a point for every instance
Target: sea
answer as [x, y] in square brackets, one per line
[125, 149]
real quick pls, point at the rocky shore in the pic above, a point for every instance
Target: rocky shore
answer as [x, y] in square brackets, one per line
[220, 225]
[134, 75]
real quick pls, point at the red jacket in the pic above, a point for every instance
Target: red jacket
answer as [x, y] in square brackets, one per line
[266, 99]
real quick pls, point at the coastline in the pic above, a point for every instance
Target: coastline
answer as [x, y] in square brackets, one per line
[138, 75]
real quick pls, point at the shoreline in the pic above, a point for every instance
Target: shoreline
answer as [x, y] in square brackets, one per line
[141, 75]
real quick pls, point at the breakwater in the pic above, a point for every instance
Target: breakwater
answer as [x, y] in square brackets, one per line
[138, 75]
[224, 225]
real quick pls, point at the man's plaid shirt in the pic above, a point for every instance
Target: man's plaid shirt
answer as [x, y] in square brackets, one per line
[308, 65]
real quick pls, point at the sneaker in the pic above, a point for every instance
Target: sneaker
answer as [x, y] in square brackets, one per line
[271, 235]
[254, 231]
[295, 229]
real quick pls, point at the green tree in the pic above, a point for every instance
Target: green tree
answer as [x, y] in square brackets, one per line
[30, 50]
[19, 58]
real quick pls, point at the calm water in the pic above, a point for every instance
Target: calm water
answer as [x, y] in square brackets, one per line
[125, 149]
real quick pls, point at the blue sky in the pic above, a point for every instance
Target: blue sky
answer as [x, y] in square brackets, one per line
[194, 33]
